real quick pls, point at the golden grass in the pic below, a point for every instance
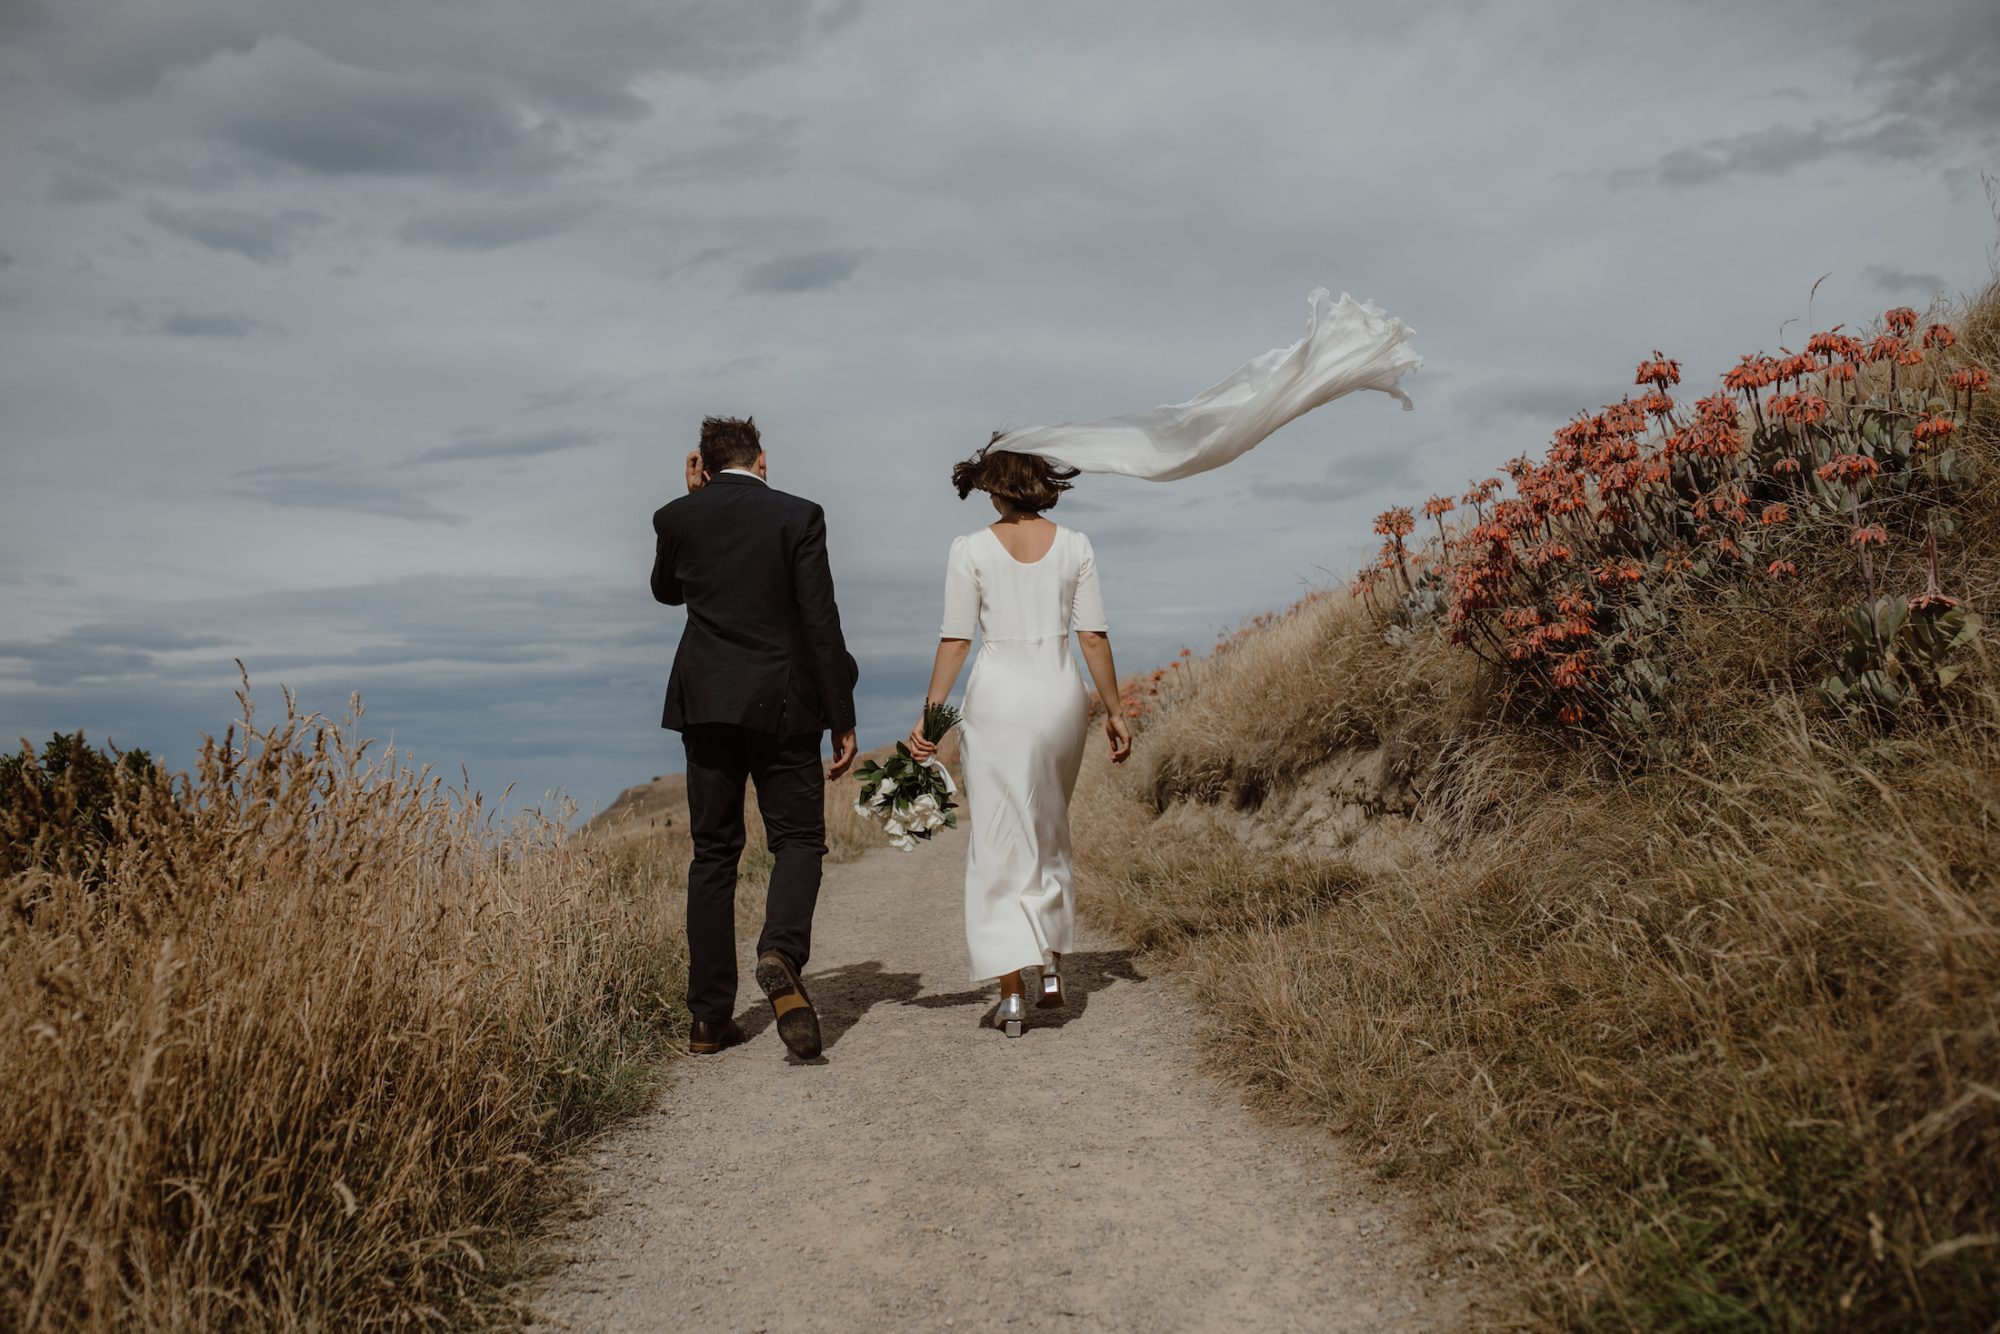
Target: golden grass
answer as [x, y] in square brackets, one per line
[310, 1051]
[1711, 1044]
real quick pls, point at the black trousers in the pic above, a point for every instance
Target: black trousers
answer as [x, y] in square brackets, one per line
[791, 790]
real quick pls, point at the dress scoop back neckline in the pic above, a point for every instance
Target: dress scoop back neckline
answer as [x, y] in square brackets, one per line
[1025, 564]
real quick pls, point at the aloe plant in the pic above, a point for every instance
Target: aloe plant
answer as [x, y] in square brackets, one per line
[1898, 650]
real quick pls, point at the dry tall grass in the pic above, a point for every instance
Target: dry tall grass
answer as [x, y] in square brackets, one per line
[308, 1051]
[1712, 1043]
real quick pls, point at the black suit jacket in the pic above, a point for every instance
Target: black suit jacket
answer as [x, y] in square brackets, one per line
[762, 647]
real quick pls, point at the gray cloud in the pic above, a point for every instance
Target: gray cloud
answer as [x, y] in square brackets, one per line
[1891, 279]
[7, 261]
[81, 187]
[811, 271]
[489, 224]
[1547, 405]
[589, 389]
[473, 444]
[337, 485]
[1778, 150]
[1938, 62]
[264, 238]
[1355, 476]
[197, 324]
[21, 19]
[285, 101]
[97, 651]
[740, 144]
[190, 324]
[490, 87]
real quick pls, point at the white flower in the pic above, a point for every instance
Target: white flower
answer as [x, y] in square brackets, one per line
[893, 828]
[864, 810]
[888, 786]
[927, 802]
[903, 843]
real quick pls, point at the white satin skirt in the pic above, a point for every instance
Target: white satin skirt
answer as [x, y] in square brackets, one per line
[1026, 715]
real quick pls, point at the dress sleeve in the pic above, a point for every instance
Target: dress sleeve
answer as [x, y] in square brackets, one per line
[1087, 609]
[961, 594]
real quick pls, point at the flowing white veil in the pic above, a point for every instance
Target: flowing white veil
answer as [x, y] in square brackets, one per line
[1349, 345]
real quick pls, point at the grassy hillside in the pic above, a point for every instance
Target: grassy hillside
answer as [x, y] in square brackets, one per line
[302, 1039]
[1619, 867]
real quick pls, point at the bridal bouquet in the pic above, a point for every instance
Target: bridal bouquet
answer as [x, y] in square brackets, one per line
[911, 798]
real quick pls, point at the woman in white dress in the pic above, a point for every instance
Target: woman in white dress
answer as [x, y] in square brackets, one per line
[1024, 584]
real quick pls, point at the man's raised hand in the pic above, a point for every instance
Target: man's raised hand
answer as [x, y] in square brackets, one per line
[697, 477]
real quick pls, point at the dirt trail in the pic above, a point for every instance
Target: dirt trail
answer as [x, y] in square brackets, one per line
[928, 1173]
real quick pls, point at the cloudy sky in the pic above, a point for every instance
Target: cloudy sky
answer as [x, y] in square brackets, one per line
[360, 340]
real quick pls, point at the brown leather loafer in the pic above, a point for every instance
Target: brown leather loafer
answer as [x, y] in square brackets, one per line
[706, 1038]
[798, 1023]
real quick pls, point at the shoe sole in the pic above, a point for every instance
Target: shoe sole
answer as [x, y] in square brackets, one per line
[798, 1025]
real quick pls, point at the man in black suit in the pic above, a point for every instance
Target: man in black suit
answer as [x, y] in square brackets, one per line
[761, 672]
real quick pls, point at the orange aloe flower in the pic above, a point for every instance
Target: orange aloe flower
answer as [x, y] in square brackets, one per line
[1805, 409]
[1661, 371]
[1395, 522]
[1834, 343]
[1884, 347]
[1939, 336]
[1749, 375]
[1932, 428]
[1848, 468]
[1781, 569]
[1971, 379]
[1574, 669]
[1775, 514]
[1869, 535]
[1902, 319]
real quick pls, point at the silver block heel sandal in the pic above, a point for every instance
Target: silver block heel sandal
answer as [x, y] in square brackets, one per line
[1052, 992]
[1013, 1014]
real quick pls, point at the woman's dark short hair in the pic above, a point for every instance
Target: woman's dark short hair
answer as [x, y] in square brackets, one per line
[1029, 481]
[729, 442]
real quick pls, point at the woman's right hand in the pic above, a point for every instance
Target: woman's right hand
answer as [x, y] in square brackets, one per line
[1121, 737]
[920, 749]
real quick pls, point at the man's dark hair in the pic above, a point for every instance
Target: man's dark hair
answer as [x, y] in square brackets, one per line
[729, 442]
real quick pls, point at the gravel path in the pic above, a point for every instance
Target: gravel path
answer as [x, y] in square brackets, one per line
[928, 1173]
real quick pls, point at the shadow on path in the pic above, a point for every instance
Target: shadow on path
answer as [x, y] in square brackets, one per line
[1083, 972]
[845, 994]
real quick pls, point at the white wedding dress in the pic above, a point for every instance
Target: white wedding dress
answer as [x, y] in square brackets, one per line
[1026, 715]
[1026, 709]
